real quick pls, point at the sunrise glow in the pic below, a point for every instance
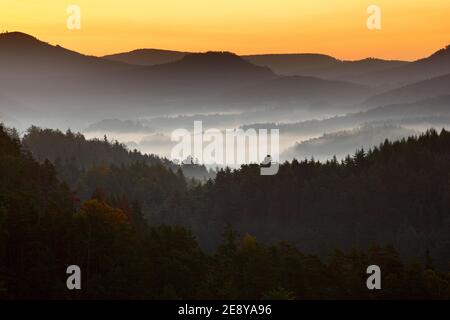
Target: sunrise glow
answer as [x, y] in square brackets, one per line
[410, 28]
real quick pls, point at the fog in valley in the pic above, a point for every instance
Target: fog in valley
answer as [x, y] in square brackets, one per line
[322, 107]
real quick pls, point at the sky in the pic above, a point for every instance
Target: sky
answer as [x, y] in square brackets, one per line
[410, 29]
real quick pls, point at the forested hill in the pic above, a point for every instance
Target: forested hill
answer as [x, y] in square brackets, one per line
[398, 194]
[73, 151]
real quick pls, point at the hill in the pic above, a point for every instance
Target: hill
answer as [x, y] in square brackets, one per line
[147, 57]
[343, 143]
[203, 71]
[72, 153]
[435, 65]
[421, 90]
[384, 196]
[295, 64]
[322, 66]
[24, 55]
[306, 64]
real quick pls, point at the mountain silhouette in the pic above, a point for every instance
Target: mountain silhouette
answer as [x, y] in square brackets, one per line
[435, 65]
[54, 82]
[62, 84]
[304, 64]
[319, 65]
[22, 54]
[212, 64]
[308, 64]
[416, 91]
[229, 79]
[199, 74]
[147, 57]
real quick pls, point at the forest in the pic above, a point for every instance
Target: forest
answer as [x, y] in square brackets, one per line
[140, 228]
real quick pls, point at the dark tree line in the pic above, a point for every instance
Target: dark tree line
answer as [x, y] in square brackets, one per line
[74, 154]
[396, 194]
[110, 224]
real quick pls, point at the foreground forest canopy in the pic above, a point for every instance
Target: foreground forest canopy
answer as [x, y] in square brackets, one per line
[140, 229]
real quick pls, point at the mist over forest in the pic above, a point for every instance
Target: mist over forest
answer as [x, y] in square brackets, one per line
[85, 158]
[140, 97]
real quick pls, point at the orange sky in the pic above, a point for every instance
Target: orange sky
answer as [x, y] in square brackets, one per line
[410, 28]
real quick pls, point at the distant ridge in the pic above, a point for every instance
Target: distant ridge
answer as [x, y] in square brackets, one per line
[199, 75]
[303, 64]
[320, 65]
[435, 65]
[21, 53]
[18, 38]
[226, 61]
[424, 89]
[209, 66]
[294, 63]
[70, 85]
[147, 57]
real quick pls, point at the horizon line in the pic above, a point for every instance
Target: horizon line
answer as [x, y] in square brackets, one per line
[231, 51]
